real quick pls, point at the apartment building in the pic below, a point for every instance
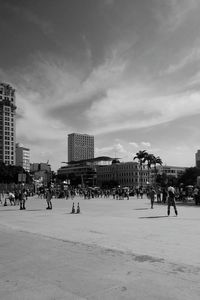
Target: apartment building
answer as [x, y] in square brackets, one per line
[80, 147]
[7, 124]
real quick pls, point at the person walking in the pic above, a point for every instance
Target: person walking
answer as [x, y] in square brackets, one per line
[152, 194]
[171, 200]
[22, 199]
[48, 198]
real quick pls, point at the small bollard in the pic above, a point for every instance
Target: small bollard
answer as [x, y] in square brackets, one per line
[78, 209]
[73, 209]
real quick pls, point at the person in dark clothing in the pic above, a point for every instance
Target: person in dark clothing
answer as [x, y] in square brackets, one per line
[171, 200]
[152, 194]
[164, 196]
[48, 198]
[22, 199]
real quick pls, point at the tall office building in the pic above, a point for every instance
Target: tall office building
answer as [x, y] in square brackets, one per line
[80, 146]
[197, 159]
[23, 157]
[7, 124]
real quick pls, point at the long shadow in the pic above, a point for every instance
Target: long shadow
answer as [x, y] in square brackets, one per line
[153, 217]
[140, 208]
[34, 209]
[2, 210]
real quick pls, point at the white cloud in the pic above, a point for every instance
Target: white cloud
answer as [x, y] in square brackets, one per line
[126, 108]
[135, 145]
[146, 144]
[116, 150]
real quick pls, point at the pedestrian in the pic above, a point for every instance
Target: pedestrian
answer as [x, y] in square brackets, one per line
[152, 194]
[48, 198]
[141, 192]
[196, 195]
[159, 195]
[22, 199]
[171, 200]
[164, 195]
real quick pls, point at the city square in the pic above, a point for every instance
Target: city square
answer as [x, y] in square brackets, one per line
[113, 249]
[99, 150]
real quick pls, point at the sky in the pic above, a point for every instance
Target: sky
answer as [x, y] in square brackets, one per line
[125, 71]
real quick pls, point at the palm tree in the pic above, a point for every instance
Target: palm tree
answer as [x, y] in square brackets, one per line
[150, 158]
[141, 157]
[158, 161]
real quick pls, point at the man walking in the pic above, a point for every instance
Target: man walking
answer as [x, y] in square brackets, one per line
[171, 200]
[48, 198]
[152, 194]
[22, 199]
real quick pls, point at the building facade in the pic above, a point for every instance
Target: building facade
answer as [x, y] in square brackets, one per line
[197, 159]
[7, 124]
[80, 147]
[23, 157]
[126, 174]
[41, 172]
[104, 171]
[171, 170]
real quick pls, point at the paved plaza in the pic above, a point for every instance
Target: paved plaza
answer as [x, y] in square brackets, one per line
[114, 249]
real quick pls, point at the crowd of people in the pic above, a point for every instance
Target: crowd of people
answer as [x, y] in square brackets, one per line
[168, 195]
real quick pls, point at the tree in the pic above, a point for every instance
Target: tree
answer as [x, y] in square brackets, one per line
[189, 177]
[141, 157]
[157, 160]
[9, 174]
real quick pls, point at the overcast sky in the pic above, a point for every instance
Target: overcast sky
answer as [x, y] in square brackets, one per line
[125, 71]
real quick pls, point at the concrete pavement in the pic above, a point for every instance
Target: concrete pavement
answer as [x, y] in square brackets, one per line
[115, 249]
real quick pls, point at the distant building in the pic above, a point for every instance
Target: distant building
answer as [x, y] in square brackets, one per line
[124, 173]
[80, 147]
[23, 157]
[41, 172]
[171, 170]
[7, 124]
[102, 170]
[197, 159]
[84, 171]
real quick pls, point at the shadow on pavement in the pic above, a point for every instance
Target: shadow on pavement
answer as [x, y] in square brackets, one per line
[35, 209]
[2, 210]
[153, 217]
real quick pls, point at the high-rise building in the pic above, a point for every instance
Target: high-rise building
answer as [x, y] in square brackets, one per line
[7, 124]
[197, 158]
[80, 146]
[23, 157]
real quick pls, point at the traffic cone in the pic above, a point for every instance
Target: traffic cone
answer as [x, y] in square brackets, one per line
[73, 209]
[78, 209]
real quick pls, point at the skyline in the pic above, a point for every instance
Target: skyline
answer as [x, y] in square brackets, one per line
[124, 71]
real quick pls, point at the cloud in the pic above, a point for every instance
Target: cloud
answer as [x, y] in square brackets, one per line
[146, 144]
[116, 150]
[171, 14]
[135, 145]
[31, 17]
[191, 57]
[126, 108]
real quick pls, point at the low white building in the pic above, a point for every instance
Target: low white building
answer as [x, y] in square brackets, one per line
[23, 157]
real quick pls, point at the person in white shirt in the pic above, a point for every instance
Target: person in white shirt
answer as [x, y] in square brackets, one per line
[171, 200]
